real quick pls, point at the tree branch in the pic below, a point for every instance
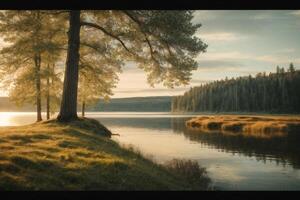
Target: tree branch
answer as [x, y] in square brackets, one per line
[91, 46]
[140, 26]
[143, 32]
[106, 32]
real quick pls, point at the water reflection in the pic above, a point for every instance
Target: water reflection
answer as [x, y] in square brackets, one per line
[282, 150]
[233, 161]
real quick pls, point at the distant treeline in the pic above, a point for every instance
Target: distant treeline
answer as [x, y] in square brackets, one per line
[275, 93]
[133, 104]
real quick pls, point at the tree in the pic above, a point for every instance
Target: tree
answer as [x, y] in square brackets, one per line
[68, 109]
[291, 68]
[97, 72]
[30, 36]
[52, 89]
[161, 42]
[277, 92]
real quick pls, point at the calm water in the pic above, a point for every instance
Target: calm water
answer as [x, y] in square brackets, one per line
[233, 162]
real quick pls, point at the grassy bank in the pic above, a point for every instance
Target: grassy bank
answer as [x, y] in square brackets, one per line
[258, 126]
[81, 156]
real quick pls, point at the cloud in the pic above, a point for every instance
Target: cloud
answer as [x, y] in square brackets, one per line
[274, 59]
[201, 15]
[233, 55]
[233, 58]
[287, 50]
[139, 90]
[296, 12]
[262, 16]
[218, 63]
[220, 36]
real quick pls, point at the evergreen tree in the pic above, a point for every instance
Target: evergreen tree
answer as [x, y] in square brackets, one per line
[278, 92]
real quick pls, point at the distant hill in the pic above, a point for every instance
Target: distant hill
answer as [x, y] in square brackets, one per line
[7, 106]
[133, 104]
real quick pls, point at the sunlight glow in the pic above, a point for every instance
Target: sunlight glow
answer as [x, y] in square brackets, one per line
[5, 118]
[17, 118]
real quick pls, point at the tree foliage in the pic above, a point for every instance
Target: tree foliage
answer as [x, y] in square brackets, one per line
[33, 41]
[161, 42]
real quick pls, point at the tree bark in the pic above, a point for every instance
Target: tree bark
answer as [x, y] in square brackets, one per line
[83, 109]
[37, 62]
[68, 108]
[48, 93]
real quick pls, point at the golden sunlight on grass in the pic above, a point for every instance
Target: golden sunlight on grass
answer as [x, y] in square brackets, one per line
[76, 156]
[256, 126]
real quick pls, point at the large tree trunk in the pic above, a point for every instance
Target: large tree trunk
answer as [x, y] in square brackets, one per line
[83, 109]
[37, 62]
[48, 93]
[68, 108]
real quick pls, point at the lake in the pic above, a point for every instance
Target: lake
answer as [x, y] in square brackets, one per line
[233, 162]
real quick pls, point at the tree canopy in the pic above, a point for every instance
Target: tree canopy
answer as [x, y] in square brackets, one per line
[97, 43]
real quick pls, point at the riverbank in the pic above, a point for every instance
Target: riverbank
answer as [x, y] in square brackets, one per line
[81, 156]
[251, 125]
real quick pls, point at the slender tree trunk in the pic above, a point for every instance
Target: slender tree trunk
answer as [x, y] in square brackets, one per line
[48, 93]
[68, 108]
[83, 109]
[37, 61]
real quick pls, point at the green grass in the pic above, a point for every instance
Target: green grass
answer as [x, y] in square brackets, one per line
[80, 156]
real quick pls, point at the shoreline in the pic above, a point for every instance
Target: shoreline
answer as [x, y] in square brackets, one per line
[80, 156]
[248, 125]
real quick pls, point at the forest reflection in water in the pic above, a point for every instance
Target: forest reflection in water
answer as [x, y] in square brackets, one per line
[283, 150]
[233, 161]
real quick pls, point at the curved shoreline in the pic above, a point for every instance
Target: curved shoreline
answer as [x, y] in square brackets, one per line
[79, 155]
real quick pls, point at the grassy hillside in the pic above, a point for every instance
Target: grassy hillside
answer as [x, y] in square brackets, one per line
[80, 156]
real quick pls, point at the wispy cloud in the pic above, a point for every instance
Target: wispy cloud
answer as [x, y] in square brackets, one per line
[145, 90]
[262, 16]
[232, 55]
[286, 50]
[296, 12]
[220, 36]
[277, 59]
[218, 63]
[201, 15]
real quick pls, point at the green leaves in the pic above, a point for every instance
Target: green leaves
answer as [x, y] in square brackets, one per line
[161, 42]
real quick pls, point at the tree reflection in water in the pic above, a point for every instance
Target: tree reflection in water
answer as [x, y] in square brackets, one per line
[283, 150]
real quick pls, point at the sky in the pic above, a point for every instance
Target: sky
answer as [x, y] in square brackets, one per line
[239, 43]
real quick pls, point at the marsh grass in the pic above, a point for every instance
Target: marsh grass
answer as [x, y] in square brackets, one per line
[254, 126]
[191, 171]
[77, 156]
